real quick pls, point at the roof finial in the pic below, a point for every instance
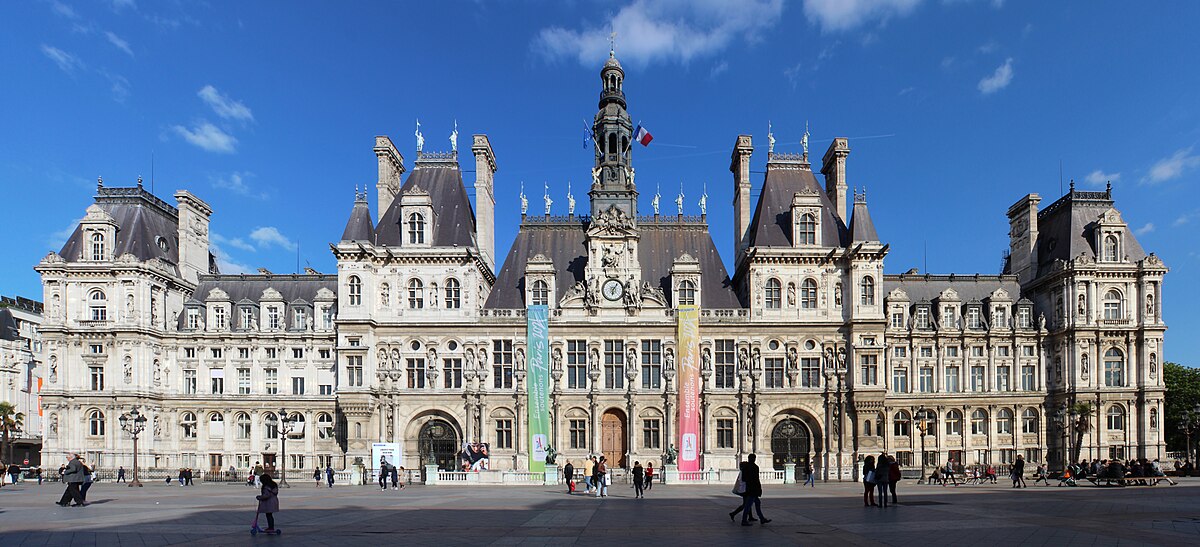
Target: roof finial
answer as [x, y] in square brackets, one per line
[546, 197]
[570, 200]
[612, 43]
[770, 139]
[139, 181]
[804, 140]
[1072, 186]
[454, 137]
[99, 182]
[420, 138]
[524, 200]
[1108, 189]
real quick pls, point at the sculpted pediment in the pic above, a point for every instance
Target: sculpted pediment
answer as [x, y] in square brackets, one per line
[897, 294]
[948, 295]
[1000, 294]
[270, 294]
[325, 294]
[217, 294]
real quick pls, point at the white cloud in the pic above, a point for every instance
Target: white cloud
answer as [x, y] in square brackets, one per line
[840, 15]
[719, 69]
[650, 31]
[56, 240]
[1172, 167]
[237, 182]
[120, 43]
[989, 47]
[999, 79]
[63, 9]
[1149, 227]
[1100, 178]
[65, 61]
[793, 73]
[1183, 219]
[226, 263]
[267, 236]
[906, 91]
[118, 84]
[237, 242]
[208, 136]
[224, 106]
[118, 5]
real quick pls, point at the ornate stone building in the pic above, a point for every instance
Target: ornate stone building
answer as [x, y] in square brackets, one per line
[808, 351]
[21, 373]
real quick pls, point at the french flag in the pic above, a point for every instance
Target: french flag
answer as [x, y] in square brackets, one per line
[642, 136]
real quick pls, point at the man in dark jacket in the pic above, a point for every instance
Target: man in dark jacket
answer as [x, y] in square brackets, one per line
[569, 474]
[753, 493]
[74, 475]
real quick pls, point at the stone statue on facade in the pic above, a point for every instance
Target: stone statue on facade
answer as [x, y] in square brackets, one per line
[804, 140]
[128, 370]
[770, 139]
[706, 360]
[594, 360]
[704, 202]
[671, 456]
[679, 200]
[744, 360]
[1084, 366]
[420, 138]
[631, 171]
[556, 358]
[454, 138]
[756, 360]
[570, 200]
[54, 425]
[596, 176]
[53, 369]
[654, 202]
[520, 360]
[524, 200]
[157, 373]
[549, 201]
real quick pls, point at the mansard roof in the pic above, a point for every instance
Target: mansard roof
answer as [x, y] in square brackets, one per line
[969, 288]
[359, 227]
[1066, 229]
[248, 288]
[563, 241]
[772, 222]
[438, 175]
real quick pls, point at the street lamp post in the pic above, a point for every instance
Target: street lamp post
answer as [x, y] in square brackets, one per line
[923, 425]
[285, 427]
[134, 423]
[1060, 421]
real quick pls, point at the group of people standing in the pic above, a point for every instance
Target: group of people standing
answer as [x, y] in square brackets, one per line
[386, 470]
[328, 475]
[882, 475]
[596, 476]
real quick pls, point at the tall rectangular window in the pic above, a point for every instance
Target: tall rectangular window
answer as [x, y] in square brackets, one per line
[454, 373]
[97, 376]
[1002, 374]
[977, 379]
[247, 318]
[897, 320]
[952, 378]
[926, 379]
[189, 382]
[900, 380]
[297, 385]
[651, 434]
[243, 381]
[299, 319]
[354, 371]
[578, 434]
[416, 373]
[272, 380]
[810, 372]
[327, 317]
[577, 364]
[651, 364]
[243, 353]
[773, 371]
[1028, 378]
[193, 318]
[502, 364]
[724, 432]
[870, 369]
[504, 433]
[724, 363]
[219, 318]
[216, 378]
[272, 317]
[614, 364]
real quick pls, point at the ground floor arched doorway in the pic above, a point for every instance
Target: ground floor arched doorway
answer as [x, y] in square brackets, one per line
[438, 443]
[790, 443]
[613, 437]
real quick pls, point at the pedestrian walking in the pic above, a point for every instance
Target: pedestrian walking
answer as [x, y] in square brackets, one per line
[188, 476]
[89, 476]
[395, 477]
[39, 475]
[402, 473]
[589, 469]
[1039, 475]
[1018, 473]
[602, 479]
[317, 476]
[639, 475]
[569, 474]
[894, 477]
[753, 494]
[258, 471]
[383, 474]
[121, 474]
[868, 474]
[948, 473]
[268, 500]
[72, 474]
[649, 475]
[883, 476]
[14, 471]
[328, 474]
[810, 479]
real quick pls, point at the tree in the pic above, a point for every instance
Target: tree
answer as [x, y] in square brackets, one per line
[1183, 394]
[1080, 414]
[11, 421]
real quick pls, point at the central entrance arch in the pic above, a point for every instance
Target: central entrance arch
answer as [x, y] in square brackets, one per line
[790, 443]
[613, 437]
[438, 442]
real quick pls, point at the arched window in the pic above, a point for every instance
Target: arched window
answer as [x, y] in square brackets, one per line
[1004, 422]
[773, 298]
[416, 294]
[324, 426]
[867, 431]
[1029, 421]
[385, 295]
[807, 233]
[216, 425]
[979, 425]
[97, 247]
[453, 294]
[808, 294]
[355, 286]
[1116, 418]
[867, 290]
[687, 293]
[271, 425]
[187, 422]
[96, 423]
[98, 305]
[416, 228]
[954, 423]
[1112, 304]
[901, 425]
[540, 295]
[612, 143]
[243, 425]
[1111, 248]
[1114, 368]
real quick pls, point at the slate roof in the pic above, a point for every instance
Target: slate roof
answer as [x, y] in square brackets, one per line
[563, 241]
[8, 326]
[771, 225]
[454, 223]
[1066, 229]
[359, 227]
[861, 227]
[926, 287]
[250, 287]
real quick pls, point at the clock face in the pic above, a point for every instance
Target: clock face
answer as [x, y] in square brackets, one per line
[613, 289]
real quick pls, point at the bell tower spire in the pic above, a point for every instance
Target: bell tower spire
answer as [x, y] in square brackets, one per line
[612, 173]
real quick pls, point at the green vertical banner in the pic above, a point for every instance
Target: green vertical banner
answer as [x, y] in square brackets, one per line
[538, 383]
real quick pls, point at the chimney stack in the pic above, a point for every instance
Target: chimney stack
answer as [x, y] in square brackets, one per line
[739, 165]
[1022, 238]
[391, 166]
[833, 166]
[193, 235]
[485, 199]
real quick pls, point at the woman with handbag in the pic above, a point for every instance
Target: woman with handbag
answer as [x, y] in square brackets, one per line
[639, 475]
[894, 477]
[602, 478]
[883, 474]
[752, 491]
[868, 473]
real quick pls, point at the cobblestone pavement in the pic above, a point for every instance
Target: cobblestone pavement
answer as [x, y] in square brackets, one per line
[829, 514]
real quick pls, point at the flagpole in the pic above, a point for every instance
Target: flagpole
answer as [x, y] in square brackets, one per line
[630, 145]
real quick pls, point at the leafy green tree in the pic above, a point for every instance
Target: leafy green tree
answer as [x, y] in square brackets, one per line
[1183, 394]
[11, 421]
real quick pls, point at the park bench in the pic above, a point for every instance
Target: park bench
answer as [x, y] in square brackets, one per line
[1127, 481]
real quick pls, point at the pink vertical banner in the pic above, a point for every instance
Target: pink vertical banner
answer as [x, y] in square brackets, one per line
[688, 339]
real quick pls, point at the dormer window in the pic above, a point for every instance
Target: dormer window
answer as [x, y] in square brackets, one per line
[219, 318]
[948, 317]
[416, 228]
[1111, 248]
[687, 293]
[299, 318]
[98, 305]
[247, 318]
[540, 295]
[193, 318]
[272, 317]
[807, 229]
[97, 247]
[1024, 317]
[974, 318]
[922, 318]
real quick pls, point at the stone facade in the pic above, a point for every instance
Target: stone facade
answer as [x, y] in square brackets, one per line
[21, 373]
[809, 352]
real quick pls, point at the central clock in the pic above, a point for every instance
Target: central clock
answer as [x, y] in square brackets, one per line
[613, 289]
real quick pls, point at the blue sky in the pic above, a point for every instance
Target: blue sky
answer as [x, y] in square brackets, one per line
[267, 110]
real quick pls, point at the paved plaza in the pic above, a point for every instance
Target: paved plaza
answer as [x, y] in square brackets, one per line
[830, 514]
